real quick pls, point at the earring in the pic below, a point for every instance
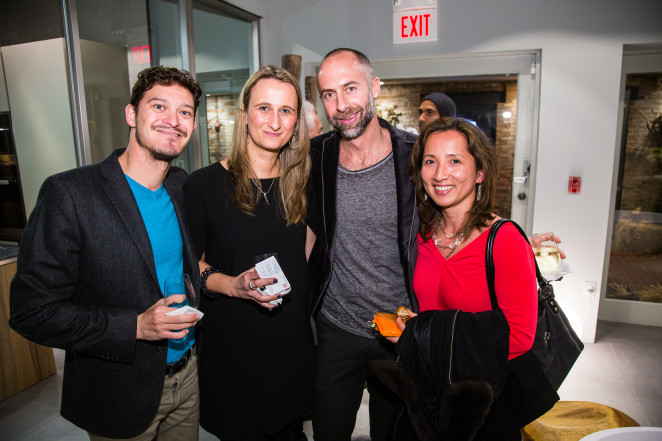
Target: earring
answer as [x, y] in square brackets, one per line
[478, 193]
[425, 196]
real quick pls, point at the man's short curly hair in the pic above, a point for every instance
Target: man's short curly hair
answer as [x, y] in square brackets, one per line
[165, 76]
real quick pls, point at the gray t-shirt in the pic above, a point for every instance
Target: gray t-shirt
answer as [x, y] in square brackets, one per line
[367, 273]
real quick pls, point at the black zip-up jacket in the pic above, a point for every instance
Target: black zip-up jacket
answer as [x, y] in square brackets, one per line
[325, 151]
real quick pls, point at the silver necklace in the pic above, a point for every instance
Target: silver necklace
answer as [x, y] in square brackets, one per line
[264, 193]
[451, 246]
[448, 235]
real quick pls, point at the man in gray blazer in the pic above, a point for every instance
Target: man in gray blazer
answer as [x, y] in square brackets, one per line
[92, 265]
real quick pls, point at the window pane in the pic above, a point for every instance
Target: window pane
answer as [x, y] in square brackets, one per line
[223, 60]
[119, 38]
[635, 264]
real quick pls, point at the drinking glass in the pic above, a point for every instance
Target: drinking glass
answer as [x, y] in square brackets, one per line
[180, 284]
[546, 252]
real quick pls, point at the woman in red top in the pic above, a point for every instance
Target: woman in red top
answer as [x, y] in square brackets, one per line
[454, 167]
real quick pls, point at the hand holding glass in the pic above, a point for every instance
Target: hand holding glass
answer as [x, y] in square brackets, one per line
[546, 252]
[181, 284]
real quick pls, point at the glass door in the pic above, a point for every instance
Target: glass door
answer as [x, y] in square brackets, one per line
[113, 40]
[109, 42]
[633, 290]
[225, 56]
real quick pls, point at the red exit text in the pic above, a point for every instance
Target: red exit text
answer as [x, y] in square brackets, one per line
[141, 54]
[415, 25]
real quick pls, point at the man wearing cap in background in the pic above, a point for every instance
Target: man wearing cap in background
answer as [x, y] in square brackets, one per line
[433, 106]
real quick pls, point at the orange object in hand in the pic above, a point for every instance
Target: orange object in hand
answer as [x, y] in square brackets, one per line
[386, 324]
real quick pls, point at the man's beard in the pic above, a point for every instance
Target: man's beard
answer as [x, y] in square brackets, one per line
[162, 154]
[366, 113]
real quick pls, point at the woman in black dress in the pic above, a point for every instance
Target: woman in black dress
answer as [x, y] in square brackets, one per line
[256, 358]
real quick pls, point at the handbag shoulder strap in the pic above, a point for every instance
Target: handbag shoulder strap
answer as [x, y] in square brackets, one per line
[489, 259]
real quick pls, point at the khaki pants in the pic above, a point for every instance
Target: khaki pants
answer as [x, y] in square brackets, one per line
[178, 416]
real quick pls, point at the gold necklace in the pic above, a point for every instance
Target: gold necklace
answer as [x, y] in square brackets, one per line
[264, 193]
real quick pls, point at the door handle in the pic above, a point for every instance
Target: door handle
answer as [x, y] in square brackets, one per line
[526, 169]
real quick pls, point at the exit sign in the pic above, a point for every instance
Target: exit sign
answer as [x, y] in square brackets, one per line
[141, 54]
[414, 21]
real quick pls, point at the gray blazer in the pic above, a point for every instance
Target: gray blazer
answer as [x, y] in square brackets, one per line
[85, 272]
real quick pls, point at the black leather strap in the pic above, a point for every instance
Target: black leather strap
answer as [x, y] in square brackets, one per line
[489, 260]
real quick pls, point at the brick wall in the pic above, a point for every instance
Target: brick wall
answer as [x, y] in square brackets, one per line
[642, 179]
[220, 124]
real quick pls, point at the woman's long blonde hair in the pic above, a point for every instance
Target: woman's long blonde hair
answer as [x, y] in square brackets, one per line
[294, 158]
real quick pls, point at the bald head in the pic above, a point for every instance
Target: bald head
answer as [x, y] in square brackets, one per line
[348, 88]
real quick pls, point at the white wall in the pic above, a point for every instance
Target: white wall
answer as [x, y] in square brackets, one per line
[41, 112]
[581, 45]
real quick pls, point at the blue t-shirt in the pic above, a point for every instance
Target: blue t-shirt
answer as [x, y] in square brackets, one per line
[162, 226]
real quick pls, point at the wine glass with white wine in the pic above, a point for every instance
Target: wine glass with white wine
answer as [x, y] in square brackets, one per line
[546, 252]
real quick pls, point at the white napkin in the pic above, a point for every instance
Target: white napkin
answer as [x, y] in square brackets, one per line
[563, 270]
[186, 310]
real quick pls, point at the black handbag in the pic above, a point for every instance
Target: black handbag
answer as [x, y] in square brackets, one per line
[556, 346]
[535, 376]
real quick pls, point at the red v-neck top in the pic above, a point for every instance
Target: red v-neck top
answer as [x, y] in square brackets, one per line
[460, 282]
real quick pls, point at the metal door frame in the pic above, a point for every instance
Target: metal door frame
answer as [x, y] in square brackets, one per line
[643, 58]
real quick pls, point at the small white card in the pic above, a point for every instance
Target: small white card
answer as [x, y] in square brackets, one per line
[186, 310]
[269, 268]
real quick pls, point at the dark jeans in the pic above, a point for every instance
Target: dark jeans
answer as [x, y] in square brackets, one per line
[342, 372]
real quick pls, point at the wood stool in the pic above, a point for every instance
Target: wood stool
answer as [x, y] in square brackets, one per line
[573, 420]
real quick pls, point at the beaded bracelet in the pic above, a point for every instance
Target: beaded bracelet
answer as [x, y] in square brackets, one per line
[203, 283]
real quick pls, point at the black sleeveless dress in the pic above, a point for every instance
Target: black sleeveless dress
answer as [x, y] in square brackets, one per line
[256, 366]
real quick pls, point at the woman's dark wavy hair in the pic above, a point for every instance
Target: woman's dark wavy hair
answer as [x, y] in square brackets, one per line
[164, 76]
[482, 150]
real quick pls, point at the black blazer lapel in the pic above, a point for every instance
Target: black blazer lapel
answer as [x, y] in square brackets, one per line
[120, 194]
[330, 160]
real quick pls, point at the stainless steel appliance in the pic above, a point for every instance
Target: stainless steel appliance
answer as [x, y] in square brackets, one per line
[12, 207]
